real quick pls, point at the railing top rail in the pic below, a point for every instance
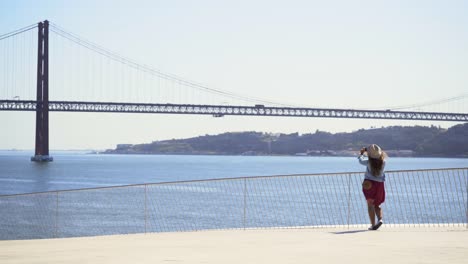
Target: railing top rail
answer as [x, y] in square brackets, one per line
[227, 179]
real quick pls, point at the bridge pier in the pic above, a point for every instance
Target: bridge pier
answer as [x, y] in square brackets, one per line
[41, 153]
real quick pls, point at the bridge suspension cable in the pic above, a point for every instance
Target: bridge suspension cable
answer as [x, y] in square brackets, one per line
[430, 103]
[88, 75]
[18, 53]
[147, 69]
[18, 31]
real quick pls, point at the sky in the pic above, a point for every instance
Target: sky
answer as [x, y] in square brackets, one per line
[337, 54]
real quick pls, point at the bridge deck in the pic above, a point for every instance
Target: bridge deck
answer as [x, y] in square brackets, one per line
[222, 110]
[388, 245]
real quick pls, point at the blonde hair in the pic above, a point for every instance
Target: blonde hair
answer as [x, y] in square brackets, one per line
[376, 165]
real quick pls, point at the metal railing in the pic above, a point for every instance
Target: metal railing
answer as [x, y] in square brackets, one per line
[414, 197]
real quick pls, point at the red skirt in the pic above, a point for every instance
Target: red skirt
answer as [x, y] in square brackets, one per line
[374, 191]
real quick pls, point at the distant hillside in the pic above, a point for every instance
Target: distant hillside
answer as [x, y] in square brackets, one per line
[396, 140]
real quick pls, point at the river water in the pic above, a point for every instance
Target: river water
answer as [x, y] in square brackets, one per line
[75, 170]
[431, 197]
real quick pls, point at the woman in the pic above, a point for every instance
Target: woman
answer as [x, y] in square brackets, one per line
[373, 185]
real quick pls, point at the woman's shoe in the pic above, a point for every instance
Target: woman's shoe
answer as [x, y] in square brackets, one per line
[376, 226]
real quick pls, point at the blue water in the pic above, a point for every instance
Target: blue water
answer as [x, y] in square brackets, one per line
[74, 170]
[412, 197]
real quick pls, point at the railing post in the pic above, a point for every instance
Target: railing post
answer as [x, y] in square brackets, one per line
[146, 208]
[56, 213]
[349, 199]
[245, 201]
[466, 209]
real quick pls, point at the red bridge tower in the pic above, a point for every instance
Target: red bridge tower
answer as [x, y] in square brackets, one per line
[41, 153]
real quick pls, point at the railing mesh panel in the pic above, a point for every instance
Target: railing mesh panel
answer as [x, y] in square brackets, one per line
[418, 197]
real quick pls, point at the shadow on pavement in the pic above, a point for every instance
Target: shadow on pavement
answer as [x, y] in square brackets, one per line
[349, 232]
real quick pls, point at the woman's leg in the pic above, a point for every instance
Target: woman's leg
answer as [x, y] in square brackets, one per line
[378, 212]
[371, 211]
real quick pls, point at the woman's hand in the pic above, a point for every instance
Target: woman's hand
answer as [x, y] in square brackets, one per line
[363, 150]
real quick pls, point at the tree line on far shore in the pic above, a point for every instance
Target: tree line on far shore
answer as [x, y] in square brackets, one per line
[400, 140]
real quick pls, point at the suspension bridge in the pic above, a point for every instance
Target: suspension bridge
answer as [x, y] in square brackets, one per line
[85, 77]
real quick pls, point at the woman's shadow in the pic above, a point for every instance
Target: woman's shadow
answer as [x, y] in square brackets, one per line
[349, 232]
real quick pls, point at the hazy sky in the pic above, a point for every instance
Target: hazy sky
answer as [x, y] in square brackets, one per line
[357, 54]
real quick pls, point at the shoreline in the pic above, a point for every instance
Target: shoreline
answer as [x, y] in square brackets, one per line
[99, 152]
[272, 155]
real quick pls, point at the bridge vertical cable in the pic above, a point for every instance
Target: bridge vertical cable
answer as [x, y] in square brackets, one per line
[454, 104]
[18, 64]
[92, 73]
[82, 71]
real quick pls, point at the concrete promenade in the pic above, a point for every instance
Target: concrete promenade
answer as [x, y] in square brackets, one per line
[336, 245]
